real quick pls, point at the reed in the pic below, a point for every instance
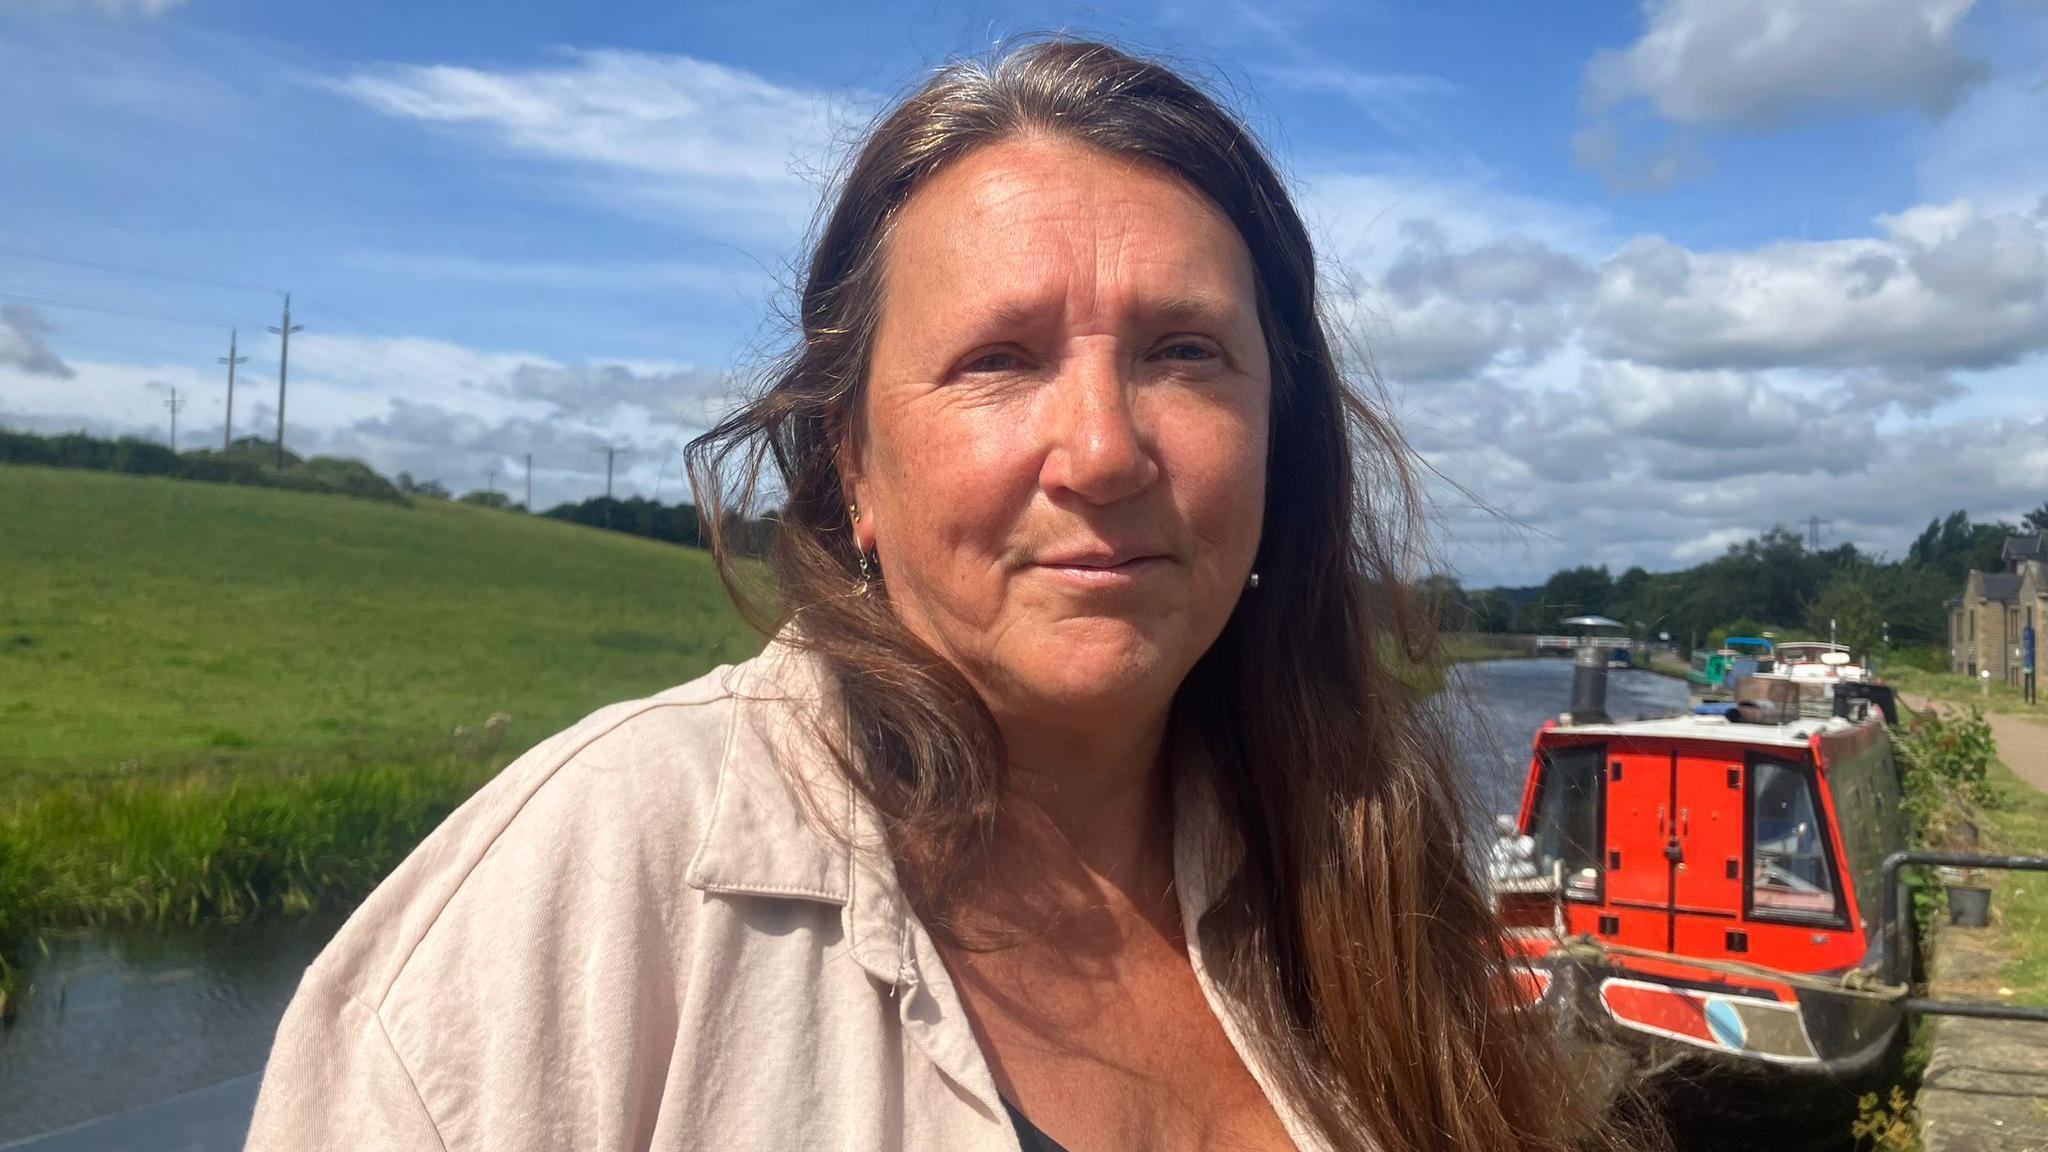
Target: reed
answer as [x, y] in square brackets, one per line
[213, 847]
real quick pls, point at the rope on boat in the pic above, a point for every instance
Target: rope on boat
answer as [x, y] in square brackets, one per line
[1860, 983]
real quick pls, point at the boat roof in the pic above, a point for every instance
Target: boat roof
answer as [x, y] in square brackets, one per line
[1796, 734]
[1820, 644]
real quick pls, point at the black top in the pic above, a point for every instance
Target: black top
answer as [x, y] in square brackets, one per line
[1029, 1138]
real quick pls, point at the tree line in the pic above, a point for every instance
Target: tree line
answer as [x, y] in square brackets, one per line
[249, 460]
[252, 460]
[1772, 582]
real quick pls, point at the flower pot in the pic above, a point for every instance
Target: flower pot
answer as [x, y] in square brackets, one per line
[1969, 906]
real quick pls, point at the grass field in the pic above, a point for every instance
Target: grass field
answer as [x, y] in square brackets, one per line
[1461, 647]
[218, 702]
[156, 625]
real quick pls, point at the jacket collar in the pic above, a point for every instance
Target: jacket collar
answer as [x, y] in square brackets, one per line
[785, 823]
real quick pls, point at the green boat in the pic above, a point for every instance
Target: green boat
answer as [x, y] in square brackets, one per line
[1713, 674]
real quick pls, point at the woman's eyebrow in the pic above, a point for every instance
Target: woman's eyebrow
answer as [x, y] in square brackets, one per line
[1173, 308]
[1187, 307]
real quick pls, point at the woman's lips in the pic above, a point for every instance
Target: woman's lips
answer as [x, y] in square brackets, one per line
[1109, 572]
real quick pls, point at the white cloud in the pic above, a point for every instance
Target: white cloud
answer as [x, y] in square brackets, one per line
[1358, 217]
[1941, 287]
[688, 134]
[1439, 312]
[1632, 507]
[430, 407]
[1725, 65]
[22, 346]
[1710, 545]
[1758, 63]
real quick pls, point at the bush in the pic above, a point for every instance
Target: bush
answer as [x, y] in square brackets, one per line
[1945, 763]
[496, 500]
[1919, 657]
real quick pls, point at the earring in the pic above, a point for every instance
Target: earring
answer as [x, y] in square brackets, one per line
[866, 576]
[1253, 583]
[853, 513]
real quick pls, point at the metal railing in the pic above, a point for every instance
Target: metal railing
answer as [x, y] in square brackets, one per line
[1892, 931]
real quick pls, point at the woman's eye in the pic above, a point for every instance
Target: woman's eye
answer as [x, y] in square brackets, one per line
[992, 362]
[1186, 350]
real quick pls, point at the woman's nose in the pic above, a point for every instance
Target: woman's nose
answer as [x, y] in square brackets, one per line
[1097, 450]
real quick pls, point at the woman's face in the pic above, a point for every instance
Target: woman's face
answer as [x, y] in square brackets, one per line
[1061, 462]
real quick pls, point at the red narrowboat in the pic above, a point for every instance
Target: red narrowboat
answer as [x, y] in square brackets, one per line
[1697, 894]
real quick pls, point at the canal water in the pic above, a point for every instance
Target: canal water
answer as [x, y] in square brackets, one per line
[145, 1040]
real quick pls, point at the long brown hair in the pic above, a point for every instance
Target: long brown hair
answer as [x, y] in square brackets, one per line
[1355, 933]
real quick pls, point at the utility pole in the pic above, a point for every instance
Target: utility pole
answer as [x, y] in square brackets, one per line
[227, 437]
[611, 452]
[529, 483]
[174, 402]
[491, 485]
[284, 352]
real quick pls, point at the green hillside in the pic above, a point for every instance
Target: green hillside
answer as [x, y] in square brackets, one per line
[219, 702]
[152, 626]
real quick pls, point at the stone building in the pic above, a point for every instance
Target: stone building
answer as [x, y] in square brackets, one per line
[1986, 622]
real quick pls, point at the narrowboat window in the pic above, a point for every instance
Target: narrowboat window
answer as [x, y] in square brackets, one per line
[1567, 826]
[1789, 871]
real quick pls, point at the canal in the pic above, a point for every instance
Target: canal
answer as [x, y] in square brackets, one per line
[146, 1040]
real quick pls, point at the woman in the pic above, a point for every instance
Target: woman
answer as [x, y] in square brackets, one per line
[1077, 802]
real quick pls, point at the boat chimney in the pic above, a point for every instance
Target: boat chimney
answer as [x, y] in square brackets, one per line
[1589, 683]
[1589, 670]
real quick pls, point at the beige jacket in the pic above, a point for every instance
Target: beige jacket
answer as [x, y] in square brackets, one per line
[634, 938]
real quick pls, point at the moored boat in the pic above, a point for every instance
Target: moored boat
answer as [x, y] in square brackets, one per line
[1699, 895]
[1713, 674]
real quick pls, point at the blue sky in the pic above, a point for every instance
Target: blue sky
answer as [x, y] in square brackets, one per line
[1639, 281]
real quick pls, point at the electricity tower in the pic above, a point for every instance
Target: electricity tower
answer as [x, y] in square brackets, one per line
[227, 437]
[1814, 524]
[284, 352]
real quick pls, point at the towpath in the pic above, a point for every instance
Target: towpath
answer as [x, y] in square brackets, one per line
[2023, 745]
[1986, 1086]
[2022, 740]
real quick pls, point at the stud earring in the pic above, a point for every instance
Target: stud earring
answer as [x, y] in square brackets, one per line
[1253, 583]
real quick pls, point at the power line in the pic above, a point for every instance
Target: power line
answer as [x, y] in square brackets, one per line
[284, 332]
[133, 270]
[128, 313]
[227, 436]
